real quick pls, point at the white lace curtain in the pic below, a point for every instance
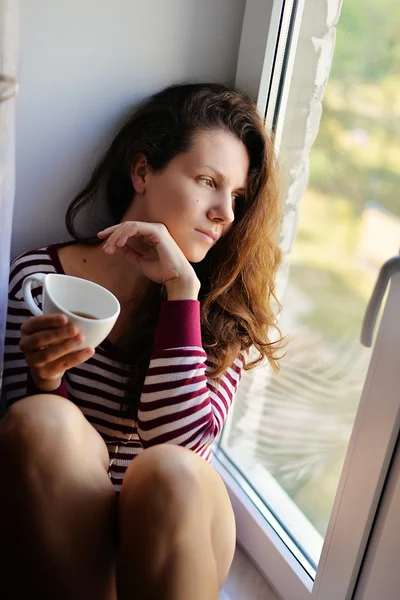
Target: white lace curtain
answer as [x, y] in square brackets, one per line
[9, 46]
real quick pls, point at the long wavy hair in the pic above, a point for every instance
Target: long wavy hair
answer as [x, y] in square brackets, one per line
[237, 276]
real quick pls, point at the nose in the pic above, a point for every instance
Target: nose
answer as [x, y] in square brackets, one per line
[222, 209]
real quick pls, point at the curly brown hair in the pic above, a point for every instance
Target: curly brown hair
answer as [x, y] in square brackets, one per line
[237, 276]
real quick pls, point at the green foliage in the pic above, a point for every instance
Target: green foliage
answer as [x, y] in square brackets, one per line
[338, 313]
[368, 41]
[357, 151]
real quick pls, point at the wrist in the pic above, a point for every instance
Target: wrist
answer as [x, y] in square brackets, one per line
[183, 290]
[45, 385]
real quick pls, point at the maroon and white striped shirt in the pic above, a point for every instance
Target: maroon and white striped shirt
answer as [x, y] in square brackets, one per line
[179, 403]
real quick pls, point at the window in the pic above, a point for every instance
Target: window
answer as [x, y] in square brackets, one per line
[284, 446]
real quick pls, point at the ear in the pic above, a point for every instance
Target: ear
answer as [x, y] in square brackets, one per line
[139, 171]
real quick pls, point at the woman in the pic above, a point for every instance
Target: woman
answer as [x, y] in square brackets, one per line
[190, 185]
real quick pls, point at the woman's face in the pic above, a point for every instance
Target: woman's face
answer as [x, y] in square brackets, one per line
[195, 195]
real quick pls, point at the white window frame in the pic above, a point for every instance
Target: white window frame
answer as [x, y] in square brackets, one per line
[380, 576]
[368, 457]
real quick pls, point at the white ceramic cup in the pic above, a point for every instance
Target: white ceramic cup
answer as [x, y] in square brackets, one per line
[67, 295]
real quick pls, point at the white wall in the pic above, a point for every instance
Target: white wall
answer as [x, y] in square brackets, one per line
[84, 62]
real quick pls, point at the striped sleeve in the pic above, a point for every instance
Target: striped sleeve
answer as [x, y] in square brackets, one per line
[16, 380]
[179, 403]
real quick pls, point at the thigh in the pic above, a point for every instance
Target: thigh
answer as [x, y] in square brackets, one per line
[57, 504]
[171, 471]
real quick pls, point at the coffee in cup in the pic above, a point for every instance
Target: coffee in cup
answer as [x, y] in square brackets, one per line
[90, 307]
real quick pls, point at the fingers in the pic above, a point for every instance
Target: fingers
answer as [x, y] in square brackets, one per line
[115, 232]
[44, 322]
[121, 241]
[130, 254]
[47, 337]
[118, 235]
[42, 342]
[106, 232]
[57, 368]
[50, 344]
[41, 356]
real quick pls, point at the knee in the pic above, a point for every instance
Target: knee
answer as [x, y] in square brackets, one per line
[35, 423]
[42, 413]
[165, 474]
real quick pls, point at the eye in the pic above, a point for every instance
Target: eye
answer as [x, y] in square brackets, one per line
[208, 181]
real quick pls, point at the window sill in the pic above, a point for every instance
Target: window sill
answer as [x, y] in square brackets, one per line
[245, 581]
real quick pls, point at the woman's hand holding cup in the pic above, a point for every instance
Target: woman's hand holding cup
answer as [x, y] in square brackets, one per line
[50, 343]
[76, 316]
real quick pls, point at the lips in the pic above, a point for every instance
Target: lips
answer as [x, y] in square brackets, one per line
[208, 233]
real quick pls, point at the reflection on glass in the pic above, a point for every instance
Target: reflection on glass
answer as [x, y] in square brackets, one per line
[289, 433]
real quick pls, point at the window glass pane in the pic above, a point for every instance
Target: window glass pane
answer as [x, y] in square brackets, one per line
[288, 433]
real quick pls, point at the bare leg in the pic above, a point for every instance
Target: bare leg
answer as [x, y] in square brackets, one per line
[177, 530]
[57, 504]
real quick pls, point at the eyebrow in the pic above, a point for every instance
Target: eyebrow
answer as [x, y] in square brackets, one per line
[221, 175]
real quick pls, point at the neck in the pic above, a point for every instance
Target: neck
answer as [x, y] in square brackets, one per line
[115, 273]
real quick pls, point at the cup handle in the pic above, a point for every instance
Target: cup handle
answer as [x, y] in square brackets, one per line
[27, 292]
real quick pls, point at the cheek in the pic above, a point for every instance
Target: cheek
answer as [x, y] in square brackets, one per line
[171, 190]
[184, 200]
[176, 200]
[162, 200]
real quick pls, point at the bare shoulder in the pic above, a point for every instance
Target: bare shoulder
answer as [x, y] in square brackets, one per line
[74, 259]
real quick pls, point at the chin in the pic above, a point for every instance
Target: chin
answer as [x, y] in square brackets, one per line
[195, 256]
[194, 252]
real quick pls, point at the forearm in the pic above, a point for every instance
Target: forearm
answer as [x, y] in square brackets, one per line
[178, 404]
